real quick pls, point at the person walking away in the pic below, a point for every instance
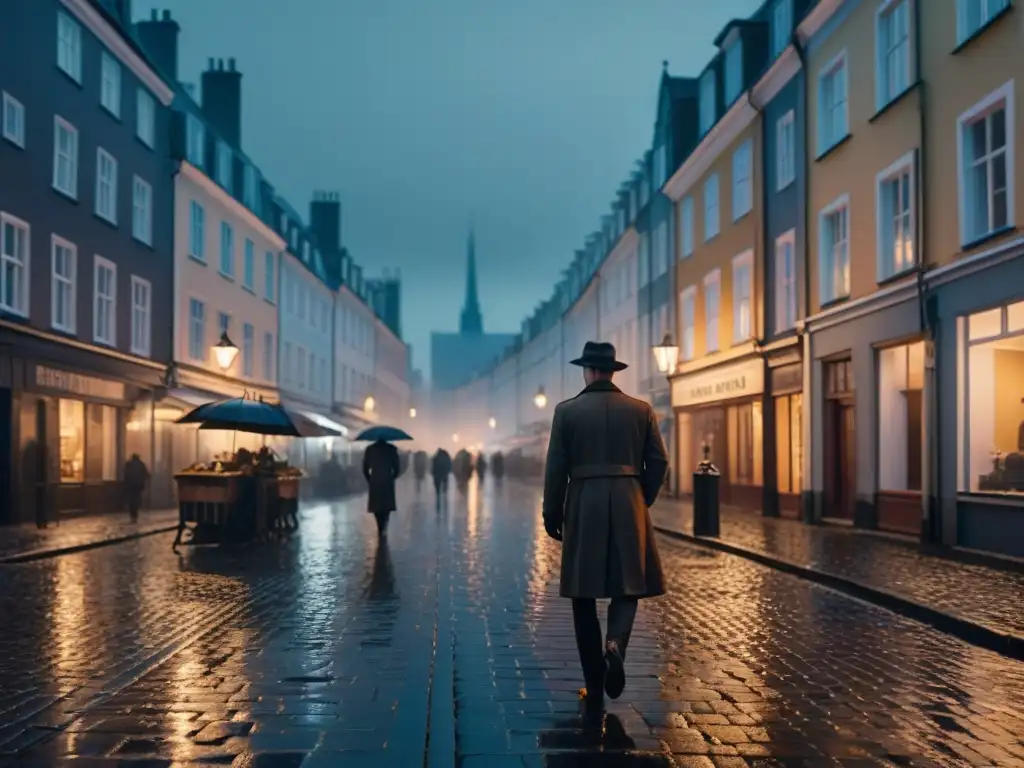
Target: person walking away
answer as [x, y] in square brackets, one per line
[498, 466]
[136, 475]
[481, 466]
[605, 465]
[419, 468]
[441, 467]
[463, 469]
[381, 467]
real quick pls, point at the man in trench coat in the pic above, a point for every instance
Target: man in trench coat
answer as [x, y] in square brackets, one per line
[606, 463]
[381, 467]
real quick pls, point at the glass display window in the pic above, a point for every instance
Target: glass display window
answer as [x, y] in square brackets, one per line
[71, 422]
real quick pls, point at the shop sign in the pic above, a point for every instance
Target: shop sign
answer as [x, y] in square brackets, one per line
[726, 383]
[78, 384]
[788, 378]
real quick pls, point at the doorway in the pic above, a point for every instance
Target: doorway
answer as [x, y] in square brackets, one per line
[840, 441]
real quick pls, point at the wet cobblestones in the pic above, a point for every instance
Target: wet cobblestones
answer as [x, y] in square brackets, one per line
[330, 651]
[17, 541]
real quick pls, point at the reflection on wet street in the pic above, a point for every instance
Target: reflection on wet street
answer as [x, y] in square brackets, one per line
[451, 642]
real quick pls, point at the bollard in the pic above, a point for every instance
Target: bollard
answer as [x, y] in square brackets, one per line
[705, 497]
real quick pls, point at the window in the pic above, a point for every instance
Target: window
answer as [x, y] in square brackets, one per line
[14, 259]
[227, 250]
[711, 208]
[145, 117]
[707, 101]
[224, 165]
[197, 232]
[65, 157]
[745, 428]
[833, 119]
[834, 251]
[900, 386]
[106, 186]
[660, 163]
[712, 297]
[896, 218]
[249, 265]
[142, 293]
[312, 372]
[64, 257]
[197, 330]
[785, 151]
[985, 148]
[268, 356]
[268, 276]
[686, 226]
[69, 46]
[286, 364]
[247, 350]
[301, 368]
[785, 281]
[789, 443]
[104, 307]
[733, 71]
[101, 433]
[742, 183]
[972, 15]
[110, 84]
[195, 141]
[14, 121]
[782, 25]
[71, 425]
[892, 46]
[687, 322]
[142, 211]
[223, 323]
[251, 190]
[742, 311]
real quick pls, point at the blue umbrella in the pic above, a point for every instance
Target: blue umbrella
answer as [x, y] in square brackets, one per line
[381, 432]
[255, 416]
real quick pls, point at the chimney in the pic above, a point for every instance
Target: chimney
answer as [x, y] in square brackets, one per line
[158, 36]
[325, 220]
[222, 100]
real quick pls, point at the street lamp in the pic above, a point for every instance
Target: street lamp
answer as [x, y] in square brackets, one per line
[666, 355]
[369, 404]
[455, 437]
[492, 422]
[412, 413]
[225, 351]
[540, 399]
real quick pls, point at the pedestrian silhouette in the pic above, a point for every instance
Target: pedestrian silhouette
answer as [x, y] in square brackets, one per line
[136, 475]
[441, 467]
[381, 467]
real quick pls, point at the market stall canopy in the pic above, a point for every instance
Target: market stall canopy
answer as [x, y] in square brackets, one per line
[244, 415]
[388, 434]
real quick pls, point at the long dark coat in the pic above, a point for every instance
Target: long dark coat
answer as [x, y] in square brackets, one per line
[606, 463]
[441, 464]
[381, 468]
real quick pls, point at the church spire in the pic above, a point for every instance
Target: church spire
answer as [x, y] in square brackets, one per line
[472, 321]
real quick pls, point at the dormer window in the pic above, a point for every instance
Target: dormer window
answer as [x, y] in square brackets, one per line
[659, 166]
[782, 25]
[195, 141]
[224, 165]
[295, 241]
[707, 101]
[733, 69]
[305, 252]
[251, 191]
[284, 223]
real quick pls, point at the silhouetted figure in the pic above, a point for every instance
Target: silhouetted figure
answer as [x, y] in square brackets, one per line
[136, 475]
[419, 468]
[381, 467]
[481, 466]
[441, 467]
[463, 470]
[498, 465]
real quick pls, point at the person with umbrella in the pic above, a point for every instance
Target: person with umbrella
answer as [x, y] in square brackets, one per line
[381, 468]
[419, 468]
[441, 467]
[498, 465]
[463, 469]
[481, 465]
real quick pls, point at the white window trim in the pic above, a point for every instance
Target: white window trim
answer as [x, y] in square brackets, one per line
[962, 34]
[55, 241]
[99, 262]
[713, 278]
[147, 236]
[11, 103]
[147, 136]
[741, 261]
[783, 180]
[59, 121]
[905, 163]
[76, 64]
[688, 294]
[1002, 94]
[883, 10]
[112, 218]
[746, 149]
[147, 349]
[14, 221]
[843, 201]
[836, 63]
[105, 60]
[710, 235]
[781, 323]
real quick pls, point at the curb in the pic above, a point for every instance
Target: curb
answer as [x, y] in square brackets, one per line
[43, 554]
[1009, 645]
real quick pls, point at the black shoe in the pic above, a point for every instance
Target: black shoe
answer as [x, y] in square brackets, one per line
[615, 677]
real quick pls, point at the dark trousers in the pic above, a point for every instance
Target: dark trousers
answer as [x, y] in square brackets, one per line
[134, 502]
[382, 521]
[621, 614]
[440, 487]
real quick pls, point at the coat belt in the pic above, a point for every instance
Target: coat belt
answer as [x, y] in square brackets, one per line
[591, 471]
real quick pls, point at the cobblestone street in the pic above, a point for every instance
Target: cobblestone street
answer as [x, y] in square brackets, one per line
[450, 647]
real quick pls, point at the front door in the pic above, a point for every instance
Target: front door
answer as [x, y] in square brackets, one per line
[840, 442]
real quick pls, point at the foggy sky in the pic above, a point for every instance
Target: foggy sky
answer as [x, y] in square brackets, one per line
[522, 116]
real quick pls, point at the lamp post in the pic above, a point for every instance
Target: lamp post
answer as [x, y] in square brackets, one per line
[666, 355]
[412, 413]
[540, 399]
[369, 404]
[455, 437]
[225, 351]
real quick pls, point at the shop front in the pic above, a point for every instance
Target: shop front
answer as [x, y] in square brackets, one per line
[783, 419]
[720, 409]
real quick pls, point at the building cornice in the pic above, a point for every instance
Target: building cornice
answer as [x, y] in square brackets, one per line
[28, 330]
[968, 265]
[718, 139]
[782, 70]
[887, 297]
[239, 211]
[115, 42]
[817, 18]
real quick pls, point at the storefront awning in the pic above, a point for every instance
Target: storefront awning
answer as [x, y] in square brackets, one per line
[324, 422]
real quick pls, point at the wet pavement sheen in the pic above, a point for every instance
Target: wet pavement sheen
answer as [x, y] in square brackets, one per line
[450, 647]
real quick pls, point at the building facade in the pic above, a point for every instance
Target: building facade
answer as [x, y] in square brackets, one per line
[85, 241]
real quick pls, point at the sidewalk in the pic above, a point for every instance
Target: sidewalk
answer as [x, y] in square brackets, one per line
[20, 543]
[966, 598]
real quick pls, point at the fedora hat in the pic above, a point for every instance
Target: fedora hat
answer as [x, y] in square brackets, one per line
[599, 355]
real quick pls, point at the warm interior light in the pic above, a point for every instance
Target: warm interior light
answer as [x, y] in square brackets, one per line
[492, 422]
[455, 437]
[666, 355]
[412, 413]
[540, 399]
[225, 352]
[369, 404]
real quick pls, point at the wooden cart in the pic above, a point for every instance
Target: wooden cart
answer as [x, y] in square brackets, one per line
[218, 508]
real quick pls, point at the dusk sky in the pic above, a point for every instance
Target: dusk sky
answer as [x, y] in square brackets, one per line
[523, 117]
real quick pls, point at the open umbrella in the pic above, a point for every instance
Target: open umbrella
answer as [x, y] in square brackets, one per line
[381, 432]
[244, 415]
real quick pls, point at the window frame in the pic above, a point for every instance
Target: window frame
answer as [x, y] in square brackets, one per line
[248, 349]
[1003, 97]
[688, 331]
[224, 161]
[227, 250]
[145, 117]
[249, 265]
[72, 68]
[195, 141]
[111, 66]
[270, 277]
[146, 332]
[146, 234]
[197, 330]
[197, 231]
[742, 262]
[7, 220]
[839, 63]
[713, 278]
[101, 263]
[707, 111]
[840, 203]
[13, 107]
[268, 356]
[710, 235]
[733, 69]
[73, 158]
[785, 151]
[885, 266]
[784, 283]
[883, 14]
[56, 241]
[743, 186]
[962, 33]
[110, 216]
